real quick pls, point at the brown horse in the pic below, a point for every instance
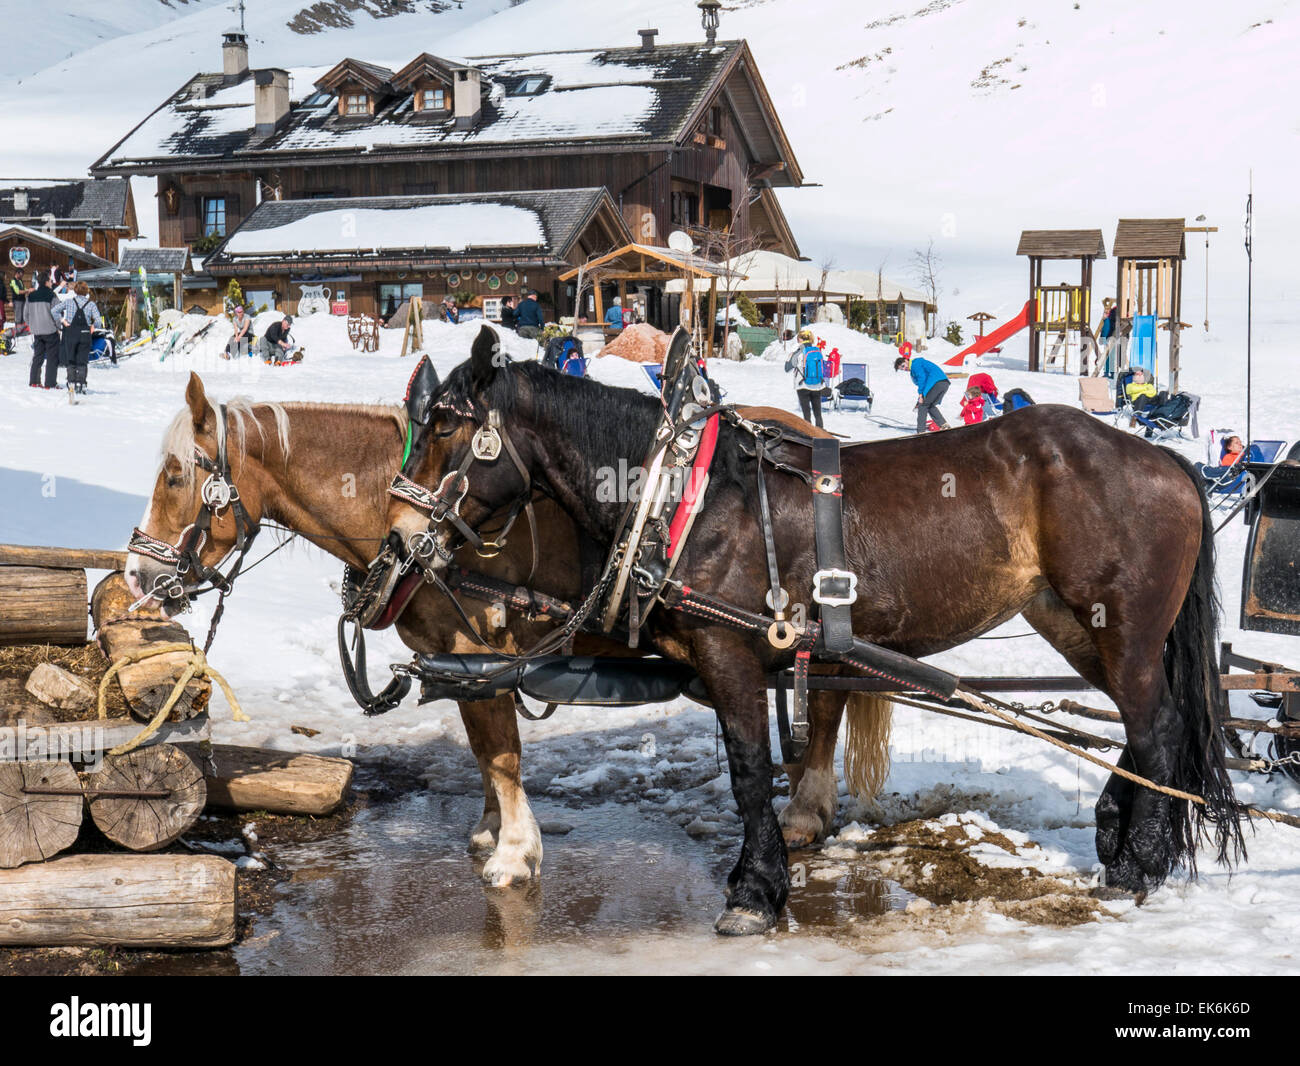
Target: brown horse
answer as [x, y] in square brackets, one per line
[322, 470]
[949, 535]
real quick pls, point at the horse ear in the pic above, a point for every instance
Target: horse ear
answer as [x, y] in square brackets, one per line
[486, 357]
[197, 399]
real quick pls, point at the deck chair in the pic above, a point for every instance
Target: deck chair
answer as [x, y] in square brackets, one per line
[1168, 417]
[848, 396]
[1095, 397]
[1229, 481]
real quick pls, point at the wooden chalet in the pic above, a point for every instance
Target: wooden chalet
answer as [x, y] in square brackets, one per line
[94, 215]
[377, 252]
[680, 136]
[25, 251]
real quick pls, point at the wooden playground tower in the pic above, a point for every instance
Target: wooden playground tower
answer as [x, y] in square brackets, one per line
[1149, 254]
[1063, 308]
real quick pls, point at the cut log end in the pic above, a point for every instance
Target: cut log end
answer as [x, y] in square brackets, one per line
[40, 811]
[170, 796]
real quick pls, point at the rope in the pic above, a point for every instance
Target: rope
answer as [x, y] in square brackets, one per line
[196, 667]
[979, 704]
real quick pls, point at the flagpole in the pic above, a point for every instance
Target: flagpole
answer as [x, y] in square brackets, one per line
[1250, 278]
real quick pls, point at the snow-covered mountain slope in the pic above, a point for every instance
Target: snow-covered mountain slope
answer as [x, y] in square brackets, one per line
[961, 120]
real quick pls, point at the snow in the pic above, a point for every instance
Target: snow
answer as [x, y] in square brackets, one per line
[80, 476]
[892, 112]
[452, 226]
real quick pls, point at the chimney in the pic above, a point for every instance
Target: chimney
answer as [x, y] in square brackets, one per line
[647, 39]
[89, 239]
[234, 55]
[20, 201]
[270, 100]
[467, 98]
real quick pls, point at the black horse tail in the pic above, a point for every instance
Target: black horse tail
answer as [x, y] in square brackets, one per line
[1191, 667]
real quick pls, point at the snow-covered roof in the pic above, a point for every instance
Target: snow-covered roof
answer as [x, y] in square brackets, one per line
[530, 226]
[601, 97]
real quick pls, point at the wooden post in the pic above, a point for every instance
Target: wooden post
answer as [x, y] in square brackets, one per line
[281, 782]
[1034, 263]
[713, 315]
[178, 295]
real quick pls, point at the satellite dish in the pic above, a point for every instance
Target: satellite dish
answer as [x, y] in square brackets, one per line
[680, 241]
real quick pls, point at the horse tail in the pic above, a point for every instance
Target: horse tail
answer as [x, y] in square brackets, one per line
[868, 716]
[1191, 668]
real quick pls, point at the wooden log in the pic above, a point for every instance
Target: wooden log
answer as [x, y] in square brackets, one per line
[60, 688]
[173, 799]
[281, 782]
[68, 558]
[146, 684]
[137, 901]
[40, 605]
[35, 826]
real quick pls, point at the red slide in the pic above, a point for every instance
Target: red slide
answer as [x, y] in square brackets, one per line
[992, 340]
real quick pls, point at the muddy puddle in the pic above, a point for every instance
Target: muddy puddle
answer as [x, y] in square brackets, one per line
[394, 891]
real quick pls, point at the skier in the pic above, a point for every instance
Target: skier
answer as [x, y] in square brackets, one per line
[39, 315]
[78, 315]
[809, 368]
[931, 385]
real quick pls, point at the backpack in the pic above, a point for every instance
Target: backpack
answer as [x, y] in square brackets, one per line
[854, 387]
[1016, 399]
[814, 366]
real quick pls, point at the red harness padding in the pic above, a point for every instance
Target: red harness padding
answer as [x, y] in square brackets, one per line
[694, 494]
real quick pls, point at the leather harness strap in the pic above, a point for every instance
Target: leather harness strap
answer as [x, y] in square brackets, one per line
[835, 588]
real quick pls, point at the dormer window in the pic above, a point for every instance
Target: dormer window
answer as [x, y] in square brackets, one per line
[354, 104]
[431, 100]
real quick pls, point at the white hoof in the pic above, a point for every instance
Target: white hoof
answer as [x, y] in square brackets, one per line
[509, 867]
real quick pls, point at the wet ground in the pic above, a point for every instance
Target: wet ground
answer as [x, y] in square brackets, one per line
[394, 891]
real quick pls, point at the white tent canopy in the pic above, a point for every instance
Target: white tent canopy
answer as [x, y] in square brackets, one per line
[772, 272]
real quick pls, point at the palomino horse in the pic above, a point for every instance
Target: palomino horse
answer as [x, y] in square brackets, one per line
[949, 535]
[322, 470]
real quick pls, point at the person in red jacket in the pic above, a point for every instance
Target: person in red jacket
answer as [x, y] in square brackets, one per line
[972, 406]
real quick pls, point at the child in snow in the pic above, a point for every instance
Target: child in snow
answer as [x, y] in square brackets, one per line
[972, 406]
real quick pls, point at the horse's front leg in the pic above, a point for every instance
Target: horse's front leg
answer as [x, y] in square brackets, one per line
[494, 737]
[760, 881]
[483, 837]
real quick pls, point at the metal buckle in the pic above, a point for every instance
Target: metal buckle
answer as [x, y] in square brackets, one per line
[827, 483]
[830, 599]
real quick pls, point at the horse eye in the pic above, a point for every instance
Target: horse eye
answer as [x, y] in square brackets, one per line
[174, 482]
[443, 434]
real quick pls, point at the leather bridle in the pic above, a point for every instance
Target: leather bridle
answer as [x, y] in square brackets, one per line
[218, 493]
[443, 503]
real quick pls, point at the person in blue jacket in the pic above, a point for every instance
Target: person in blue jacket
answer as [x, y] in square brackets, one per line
[614, 316]
[931, 385]
[529, 320]
[809, 366]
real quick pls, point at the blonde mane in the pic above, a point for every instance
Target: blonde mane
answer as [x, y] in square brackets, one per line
[179, 441]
